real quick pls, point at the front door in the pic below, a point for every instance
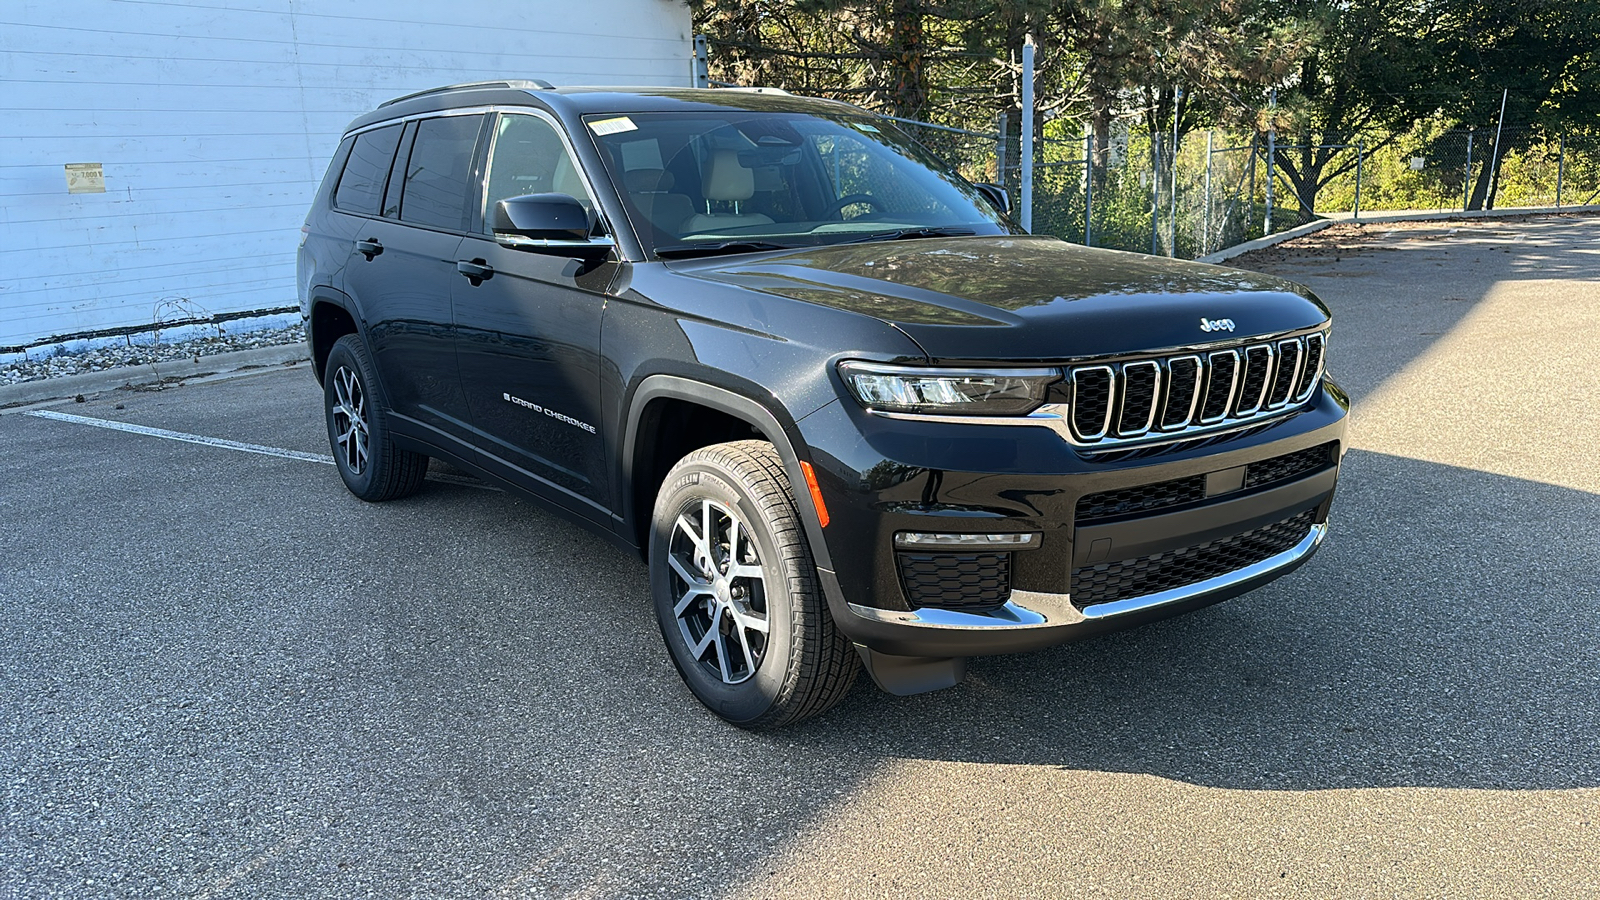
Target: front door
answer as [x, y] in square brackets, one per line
[528, 335]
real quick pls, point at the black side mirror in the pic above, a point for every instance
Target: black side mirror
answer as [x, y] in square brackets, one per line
[996, 195]
[548, 223]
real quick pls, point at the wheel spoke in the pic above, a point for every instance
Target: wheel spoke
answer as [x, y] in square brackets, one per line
[744, 646]
[695, 580]
[722, 656]
[745, 571]
[711, 635]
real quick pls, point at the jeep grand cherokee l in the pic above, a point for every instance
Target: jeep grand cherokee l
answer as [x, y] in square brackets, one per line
[848, 412]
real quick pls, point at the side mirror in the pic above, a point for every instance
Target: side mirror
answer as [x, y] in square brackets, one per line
[996, 195]
[548, 223]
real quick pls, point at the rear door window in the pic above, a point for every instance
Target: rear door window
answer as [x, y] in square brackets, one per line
[361, 185]
[439, 172]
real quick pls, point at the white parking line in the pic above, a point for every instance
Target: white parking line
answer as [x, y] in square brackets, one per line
[182, 436]
[225, 444]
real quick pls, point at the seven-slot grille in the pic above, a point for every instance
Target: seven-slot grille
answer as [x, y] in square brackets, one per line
[1144, 399]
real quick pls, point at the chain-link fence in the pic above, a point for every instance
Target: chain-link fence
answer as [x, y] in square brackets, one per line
[1202, 192]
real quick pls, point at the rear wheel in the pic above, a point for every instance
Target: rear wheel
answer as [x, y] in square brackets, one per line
[372, 467]
[736, 591]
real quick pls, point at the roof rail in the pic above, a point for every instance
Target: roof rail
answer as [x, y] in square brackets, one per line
[759, 90]
[531, 84]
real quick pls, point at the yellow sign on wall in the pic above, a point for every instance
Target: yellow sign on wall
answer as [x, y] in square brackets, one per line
[85, 178]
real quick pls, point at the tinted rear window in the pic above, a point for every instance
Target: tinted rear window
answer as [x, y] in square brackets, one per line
[435, 192]
[361, 186]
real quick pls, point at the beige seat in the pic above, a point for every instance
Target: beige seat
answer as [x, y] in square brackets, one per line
[725, 180]
[650, 190]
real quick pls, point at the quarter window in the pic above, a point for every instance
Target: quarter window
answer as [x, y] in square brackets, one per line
[361, 185]
[439, 171]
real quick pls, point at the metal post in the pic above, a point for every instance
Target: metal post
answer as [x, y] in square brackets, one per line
[701, 73]
[1254, 138]
[1172, 226]
[1358, 181]
[1272, 159]
[1466, 185]
[1027, 134]
[1561, 167]
[1088, 187]
[1000, 149]
[1205, 217]
[1494, 159]
[1155, 193]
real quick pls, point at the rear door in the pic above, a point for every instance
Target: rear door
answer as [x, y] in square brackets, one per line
[403, 267]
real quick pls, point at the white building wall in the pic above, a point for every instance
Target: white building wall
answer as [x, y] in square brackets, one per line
[214, 121]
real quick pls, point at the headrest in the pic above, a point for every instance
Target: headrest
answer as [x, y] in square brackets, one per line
[647, 180]
[726, 179]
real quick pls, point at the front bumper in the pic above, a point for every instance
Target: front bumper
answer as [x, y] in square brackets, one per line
[883, 478]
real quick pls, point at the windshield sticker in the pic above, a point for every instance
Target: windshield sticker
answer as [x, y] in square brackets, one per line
[613, 126]
[862, 126]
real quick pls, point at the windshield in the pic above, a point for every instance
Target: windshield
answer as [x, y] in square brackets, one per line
[727, 181]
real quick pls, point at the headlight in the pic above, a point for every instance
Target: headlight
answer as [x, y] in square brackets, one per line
[966, 392]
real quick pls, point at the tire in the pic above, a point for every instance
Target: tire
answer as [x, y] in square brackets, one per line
[714, 597]
[372, 467]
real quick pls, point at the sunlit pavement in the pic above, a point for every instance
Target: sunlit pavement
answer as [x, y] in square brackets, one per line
[222, 676]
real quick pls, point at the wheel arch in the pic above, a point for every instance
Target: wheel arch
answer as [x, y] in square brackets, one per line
[333, 315]
[643, 470]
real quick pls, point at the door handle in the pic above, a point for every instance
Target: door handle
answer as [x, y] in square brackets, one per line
[477, 271]
[369, 248]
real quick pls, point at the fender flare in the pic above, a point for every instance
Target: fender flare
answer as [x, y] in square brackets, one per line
[743, 408]
[327, 294]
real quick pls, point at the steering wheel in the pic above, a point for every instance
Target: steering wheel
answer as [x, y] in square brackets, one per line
[838, 205]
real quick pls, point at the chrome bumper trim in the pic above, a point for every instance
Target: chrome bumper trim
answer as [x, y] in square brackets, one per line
[1028, 610]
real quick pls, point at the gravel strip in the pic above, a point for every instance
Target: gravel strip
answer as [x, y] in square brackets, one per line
[46, 362]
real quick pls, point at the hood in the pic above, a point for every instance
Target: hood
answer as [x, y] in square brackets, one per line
[1024, 297]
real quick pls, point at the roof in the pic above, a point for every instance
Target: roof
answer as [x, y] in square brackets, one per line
[582, 101]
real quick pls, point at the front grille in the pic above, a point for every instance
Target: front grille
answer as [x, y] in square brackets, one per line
[966, 582]
[1120, 580]
[1144, 497]
[1178, 491]
[1289, 465]
[1141, 400]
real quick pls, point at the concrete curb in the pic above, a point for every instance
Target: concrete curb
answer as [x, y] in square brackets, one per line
[221, 364]
[1262, 243]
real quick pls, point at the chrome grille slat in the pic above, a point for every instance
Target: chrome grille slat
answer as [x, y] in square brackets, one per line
[1139, 401]
[1161, 398]
[1180, 369]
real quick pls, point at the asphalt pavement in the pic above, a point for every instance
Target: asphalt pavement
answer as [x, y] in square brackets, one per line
[223, 676]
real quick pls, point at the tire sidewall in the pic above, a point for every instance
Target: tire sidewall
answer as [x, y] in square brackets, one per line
[750, 699]
[346, 355]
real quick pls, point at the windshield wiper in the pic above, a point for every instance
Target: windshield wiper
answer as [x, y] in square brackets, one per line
[902, 234]
[692, 249]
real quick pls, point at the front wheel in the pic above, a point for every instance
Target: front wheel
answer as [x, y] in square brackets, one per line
[736, 590]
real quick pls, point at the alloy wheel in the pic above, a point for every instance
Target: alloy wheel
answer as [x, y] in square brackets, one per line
[350, 419]
[721, 605]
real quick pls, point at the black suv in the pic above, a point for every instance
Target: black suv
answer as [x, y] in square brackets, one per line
[847, 411]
